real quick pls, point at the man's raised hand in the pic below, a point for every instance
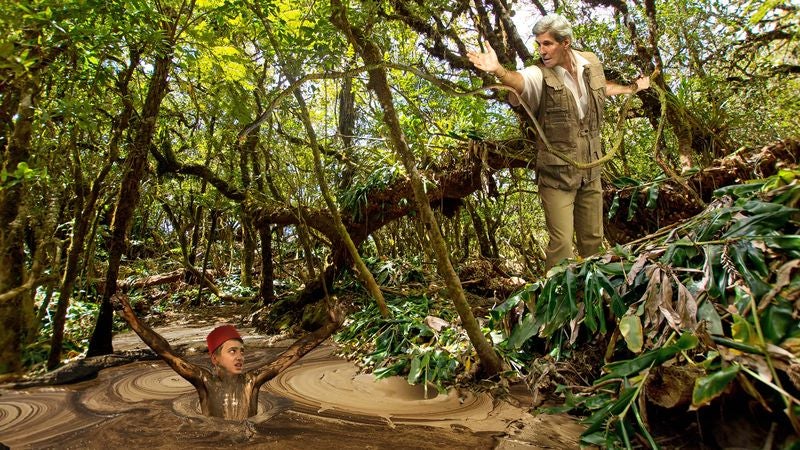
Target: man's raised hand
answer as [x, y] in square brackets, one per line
[487, 62]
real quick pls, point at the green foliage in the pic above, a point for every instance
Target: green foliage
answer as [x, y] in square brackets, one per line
[394, 272]
[356, 196]
[232, 285]
[22, 173]
[408, 343]
[739, 253]
[649, 188]
[80, 318]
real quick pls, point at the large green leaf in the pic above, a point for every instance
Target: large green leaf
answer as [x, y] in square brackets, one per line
[524, 331]
[618, 307]
[612, 210]
[776, 321]
[720, 218]
[571, 286]
[716, 276]
[633, 206]
[743, 331]
[590, 299]
[707, 312]
[783, 242]
[712, 386]
[614, 407]
[414, 370]
[760, 224]
[626, 368]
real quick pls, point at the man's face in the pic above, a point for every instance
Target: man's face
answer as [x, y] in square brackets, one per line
[552, 52]
[230, 356]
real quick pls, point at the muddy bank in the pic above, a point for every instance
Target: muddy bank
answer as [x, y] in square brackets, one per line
[320, 402]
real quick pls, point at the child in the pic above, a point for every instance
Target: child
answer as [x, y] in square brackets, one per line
[226, 391]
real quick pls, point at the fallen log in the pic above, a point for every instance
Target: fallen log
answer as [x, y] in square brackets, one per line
[674, 204]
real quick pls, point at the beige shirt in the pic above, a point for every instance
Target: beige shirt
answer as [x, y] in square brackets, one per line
[532, 85]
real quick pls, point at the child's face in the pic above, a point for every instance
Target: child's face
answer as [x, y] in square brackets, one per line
[230, 356]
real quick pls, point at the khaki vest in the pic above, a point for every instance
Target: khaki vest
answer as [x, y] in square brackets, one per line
[578, 139]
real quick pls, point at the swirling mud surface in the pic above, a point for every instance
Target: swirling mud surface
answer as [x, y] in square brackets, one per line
[319, 402]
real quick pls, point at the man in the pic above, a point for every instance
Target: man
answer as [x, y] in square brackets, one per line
[226, 390]
[565, 91]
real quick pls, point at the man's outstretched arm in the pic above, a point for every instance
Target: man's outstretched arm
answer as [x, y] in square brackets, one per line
[155, 341]
[299, 348]
[641, 83]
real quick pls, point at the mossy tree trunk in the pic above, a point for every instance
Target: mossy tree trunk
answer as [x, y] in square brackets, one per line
[378, 82]
[134, 171]
[85, 210]
[16, 312]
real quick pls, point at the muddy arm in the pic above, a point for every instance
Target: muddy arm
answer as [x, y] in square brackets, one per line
[155, 341]
[299, 348]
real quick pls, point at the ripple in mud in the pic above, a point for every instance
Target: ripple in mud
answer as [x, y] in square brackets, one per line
[324, 385]
[156, 384]
[122, 388]
[144, 403]
[31, 417]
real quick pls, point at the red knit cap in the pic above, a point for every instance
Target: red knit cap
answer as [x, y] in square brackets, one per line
[219, 335]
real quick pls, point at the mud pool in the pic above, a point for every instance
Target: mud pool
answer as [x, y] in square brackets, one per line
[319, 402]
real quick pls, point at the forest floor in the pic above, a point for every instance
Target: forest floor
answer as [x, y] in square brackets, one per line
[320, 402]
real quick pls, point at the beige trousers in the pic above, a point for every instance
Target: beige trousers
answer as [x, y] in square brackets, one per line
[578, 212]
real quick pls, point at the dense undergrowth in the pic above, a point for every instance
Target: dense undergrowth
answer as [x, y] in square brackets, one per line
[716, 295]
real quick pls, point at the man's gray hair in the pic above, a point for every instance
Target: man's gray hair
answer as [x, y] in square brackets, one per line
[556, 25]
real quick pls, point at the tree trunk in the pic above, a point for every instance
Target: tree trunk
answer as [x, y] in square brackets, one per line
[212, 230]
[378, 82]
[248, 250]
[267, 291]
[363, 272]
[85, 211]
[480, 231]
[247, 151]
[100, 342]
[308, 250]
[16, 313]
[82, 221]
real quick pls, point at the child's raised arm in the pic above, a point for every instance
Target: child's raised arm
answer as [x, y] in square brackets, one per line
[299, 348]
[155, 341]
